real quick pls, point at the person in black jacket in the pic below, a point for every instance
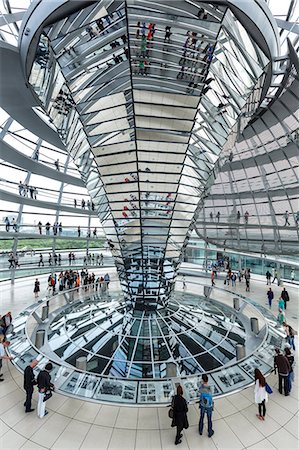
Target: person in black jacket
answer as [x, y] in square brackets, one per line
[29, 383]
[180, 409]
[282, 365]
[44, 386]
[285, 296]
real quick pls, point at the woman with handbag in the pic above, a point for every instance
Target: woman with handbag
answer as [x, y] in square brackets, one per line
[260, 393]
[45, 388]
[180, 409]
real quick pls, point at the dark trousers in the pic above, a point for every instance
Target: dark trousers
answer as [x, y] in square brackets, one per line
[27, 404]
[262, 408]
[204, 411]
[178, 433]
[284, 379]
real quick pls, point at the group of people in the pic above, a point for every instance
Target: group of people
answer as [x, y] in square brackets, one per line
[10, 224]
[88, 233]
[85, 204]
[70, 279]
[56, 227]
[13, 260]
[286, 217]
[24, 190]
[284, 363]
[53, 258]
[179, 409]
[272, 277]
[238, 216]
[93, 259]
[282, 302]
[44, 385]
[232, 277]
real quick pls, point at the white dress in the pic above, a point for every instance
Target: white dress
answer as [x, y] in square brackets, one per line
[260, 393]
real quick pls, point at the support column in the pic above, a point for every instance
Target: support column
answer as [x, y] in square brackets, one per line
[240, 351]
[39, 338]
[81, 363]
[254, 325]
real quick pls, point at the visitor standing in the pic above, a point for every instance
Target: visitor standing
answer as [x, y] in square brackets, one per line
[205, 405]
[36, 289]
[40, 227]
[7, 224]
[48, 226]
[234, 279]
[107, 280]
[246, 217]
[260, 393]
[293, 275]
[31, 190]
[3, 356]
[285, 296]
[44, 389]
[56, 164]
[247, 279]
[180, 419]
[270, 295]
[29, 383]
[291, 359]
[213, 278]
[218, 216]
[282, 365]
[79, 231]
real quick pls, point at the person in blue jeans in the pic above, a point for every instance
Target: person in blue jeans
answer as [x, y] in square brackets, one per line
[270, 296]
[205, 405]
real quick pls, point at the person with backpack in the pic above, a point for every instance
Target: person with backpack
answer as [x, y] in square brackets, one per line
[260, 393]
[290, 335]
[44, 389]
[205, 405]
[180, 409]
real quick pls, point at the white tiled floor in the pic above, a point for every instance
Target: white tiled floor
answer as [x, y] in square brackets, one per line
[73, 424]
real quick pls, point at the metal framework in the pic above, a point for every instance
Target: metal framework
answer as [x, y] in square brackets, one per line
[229, 194]
[145, 102]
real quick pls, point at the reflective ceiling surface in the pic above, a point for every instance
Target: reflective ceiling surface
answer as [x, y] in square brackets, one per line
[145, 100]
